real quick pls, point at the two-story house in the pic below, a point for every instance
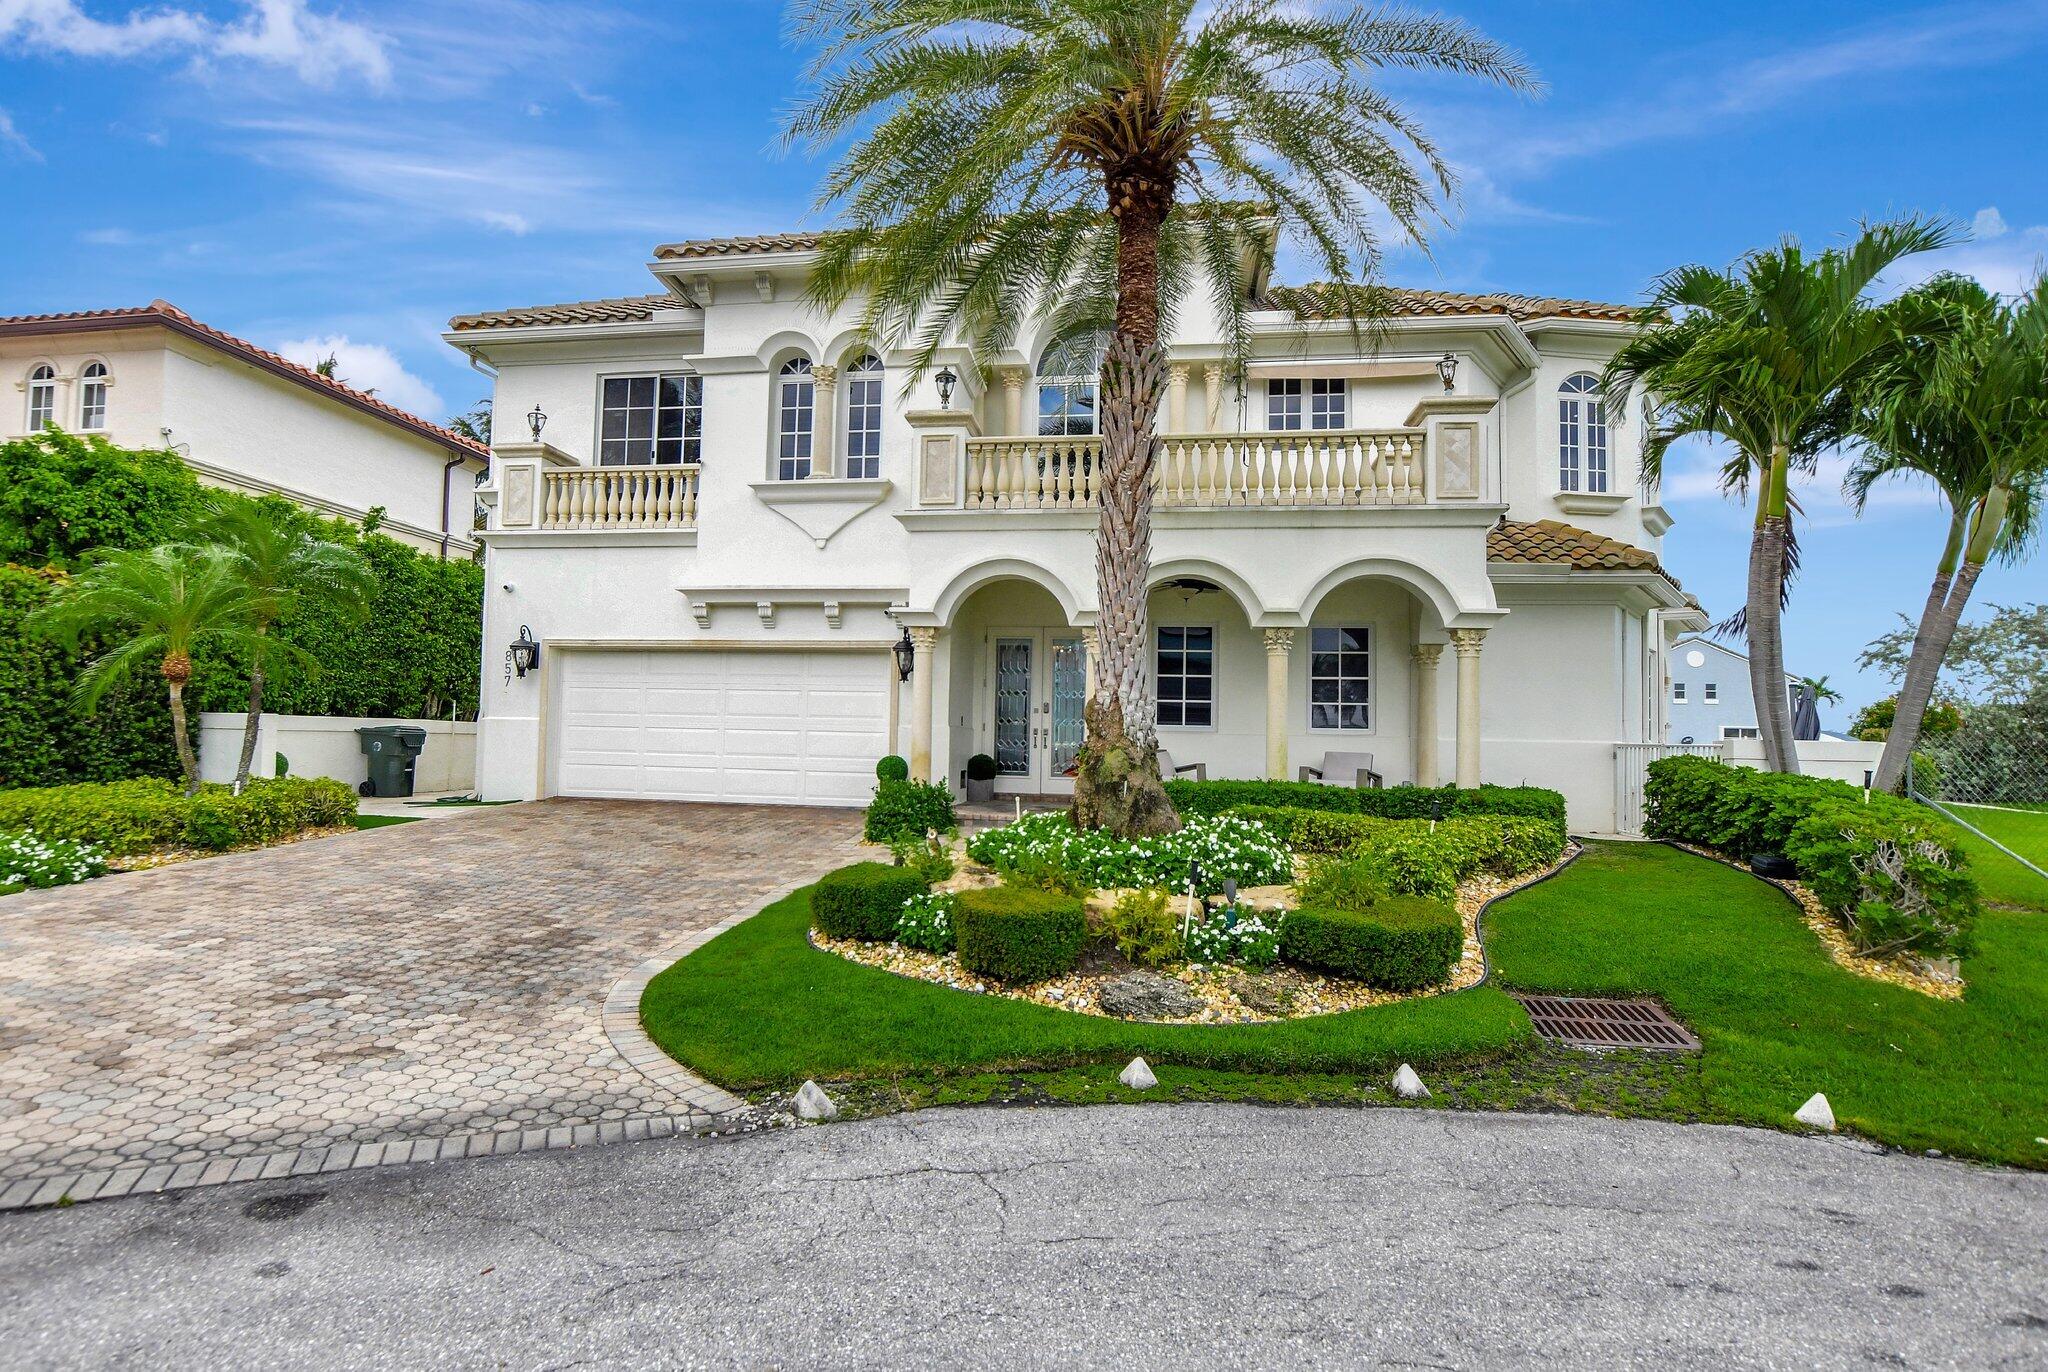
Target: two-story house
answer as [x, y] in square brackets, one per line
[756, 554]
[241, 417]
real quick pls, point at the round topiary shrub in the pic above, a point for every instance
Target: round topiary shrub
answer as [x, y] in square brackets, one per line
[892, 768]
[981, 767]
[1017, 934]
[1403, 943]
[863, 901]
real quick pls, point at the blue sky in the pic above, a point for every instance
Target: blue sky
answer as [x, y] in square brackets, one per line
[320, 175]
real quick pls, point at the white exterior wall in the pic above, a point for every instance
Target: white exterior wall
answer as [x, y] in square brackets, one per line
[1841, 759]
[323, 746]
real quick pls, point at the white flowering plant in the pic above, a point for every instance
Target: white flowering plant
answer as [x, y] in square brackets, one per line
[1231, 935]
[1227, 848]
[26, 859]
[927, 923]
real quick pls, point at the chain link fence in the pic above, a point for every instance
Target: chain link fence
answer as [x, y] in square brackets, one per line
[1988, 774]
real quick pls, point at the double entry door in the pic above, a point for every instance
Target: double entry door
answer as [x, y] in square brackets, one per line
[1040, 678]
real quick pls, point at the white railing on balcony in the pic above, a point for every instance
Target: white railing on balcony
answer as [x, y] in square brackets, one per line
[663, 497]
[1297, 467]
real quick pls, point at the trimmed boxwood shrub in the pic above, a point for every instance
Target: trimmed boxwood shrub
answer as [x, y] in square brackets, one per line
[908, 809]
[139, 816]
[1391, 802]
[1017, 934]
[1413, 859]
[1403, 943]
[892, 768]
[863, 901]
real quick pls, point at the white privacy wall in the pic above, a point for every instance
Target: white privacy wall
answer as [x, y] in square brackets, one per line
[319, 746]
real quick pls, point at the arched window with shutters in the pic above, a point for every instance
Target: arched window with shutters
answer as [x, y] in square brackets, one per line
[864, 416]
[1581, 435]
[42, 396]
[1069, 370]
[795, 419]
[92, 397]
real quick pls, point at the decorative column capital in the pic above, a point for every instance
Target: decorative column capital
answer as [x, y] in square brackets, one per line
[923, 637]
[1091, 637]
[1178, 371]
[1467, 642]
[1279, 642]
[1213, 371]
[825, 376]
[1426, 654]
[1013, 378]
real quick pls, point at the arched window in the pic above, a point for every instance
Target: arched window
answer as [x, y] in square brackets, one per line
[864, 417]
[42, 397]
[92, 396]
[795, 419]
[1581, 435]
[1068, 372]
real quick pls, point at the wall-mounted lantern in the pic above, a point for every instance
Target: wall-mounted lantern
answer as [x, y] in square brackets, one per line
[1447, 368]
[525, 653]
[947, 379]
[906, 656]
[536, 421]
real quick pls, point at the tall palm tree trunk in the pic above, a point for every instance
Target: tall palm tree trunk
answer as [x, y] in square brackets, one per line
[1763, 617]
[177, 670]
[1117, 784]
[251, 724]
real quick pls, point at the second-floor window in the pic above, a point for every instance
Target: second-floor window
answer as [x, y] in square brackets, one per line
[1068, 371]
[1711, 693]
[1320, 400]
[864, 417]
[92, 396]
[796, 416]
[650, 419]
[1678, 693]
[42, 397]
[1581, 435]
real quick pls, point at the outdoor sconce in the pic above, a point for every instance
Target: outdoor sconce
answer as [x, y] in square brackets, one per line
[947, 380]
[906, 656]
[525, 652]
[1447, 368]
[536, 421]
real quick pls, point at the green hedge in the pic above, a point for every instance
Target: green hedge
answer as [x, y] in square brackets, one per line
[1400, 944]
[1895, 872]
[1391, 802]
[1018, 934]
[1413, 858]
[862, 901]
[147, 813]
[908, 810]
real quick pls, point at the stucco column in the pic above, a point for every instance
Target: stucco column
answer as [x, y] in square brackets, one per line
[1466, 643]
[1091, 644]
[1212, 397]
[1176, 399]
[1013, 400]
[824, 419]
[1279, 651]
[922, 640]
[1425, 656]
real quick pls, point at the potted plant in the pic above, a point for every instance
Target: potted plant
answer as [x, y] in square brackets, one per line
[981, 779]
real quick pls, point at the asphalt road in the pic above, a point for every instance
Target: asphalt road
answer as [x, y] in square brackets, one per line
[1131, 1237]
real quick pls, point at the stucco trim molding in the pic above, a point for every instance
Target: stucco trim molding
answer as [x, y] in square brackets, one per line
[822, 506]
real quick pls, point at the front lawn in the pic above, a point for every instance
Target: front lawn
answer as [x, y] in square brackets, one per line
[2003, 881]
[759, 1009]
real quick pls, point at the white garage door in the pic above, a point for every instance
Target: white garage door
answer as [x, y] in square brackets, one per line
[791, 728]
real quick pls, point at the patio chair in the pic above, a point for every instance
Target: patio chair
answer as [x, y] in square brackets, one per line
[1344, 769]
[1169, 772]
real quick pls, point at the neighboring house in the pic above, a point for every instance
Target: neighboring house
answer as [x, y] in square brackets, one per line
[1709, 695]
[734, 514]
[242, 418]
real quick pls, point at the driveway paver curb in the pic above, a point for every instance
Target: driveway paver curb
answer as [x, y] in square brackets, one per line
[622, 1025]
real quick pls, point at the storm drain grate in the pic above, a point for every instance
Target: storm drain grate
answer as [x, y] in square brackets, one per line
[1584, 1022]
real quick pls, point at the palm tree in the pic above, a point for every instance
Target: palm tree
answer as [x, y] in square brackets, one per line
[160, 605]
[1770, 355]
[1818, 688]
[1097, 162]
[283, 565]
[1967, 411]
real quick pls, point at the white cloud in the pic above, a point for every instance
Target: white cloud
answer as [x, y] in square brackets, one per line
[14, 141]
[1988, 223]
[2007, 260]
[1692, 477]
[319, 48]
[109, 238]
[368, 367]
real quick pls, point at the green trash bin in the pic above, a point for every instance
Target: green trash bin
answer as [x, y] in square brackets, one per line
[391, 749]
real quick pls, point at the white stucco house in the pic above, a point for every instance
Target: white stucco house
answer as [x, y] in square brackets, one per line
[1427, 542]
[241, 417]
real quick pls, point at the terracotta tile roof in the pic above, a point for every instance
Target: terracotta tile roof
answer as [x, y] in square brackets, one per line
[1322, 300]
[734, 247]
[625, 309]
[164, 314]
[1551, 541]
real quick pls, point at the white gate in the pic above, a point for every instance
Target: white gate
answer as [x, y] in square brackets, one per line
[1632, 769]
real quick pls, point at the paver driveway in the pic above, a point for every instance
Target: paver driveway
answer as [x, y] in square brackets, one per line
[421, 981]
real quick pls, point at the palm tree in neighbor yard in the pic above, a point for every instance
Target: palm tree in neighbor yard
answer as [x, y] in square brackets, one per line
[283, 564]
[1772, 356]
[1968, 411]
[157, 606]
[1097, 162]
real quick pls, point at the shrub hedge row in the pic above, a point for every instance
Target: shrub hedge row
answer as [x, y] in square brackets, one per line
[904, 809]
[1392, 802]
[1017, 934]
[863, 901]
[1402, 943]
[148, 813]
[1413, 859]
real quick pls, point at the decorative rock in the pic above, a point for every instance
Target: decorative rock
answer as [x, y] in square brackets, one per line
[1138, 1076]
[1816, 1113]
[1147, 995]
[1265, 994]
[813, 1104]
[1408, 1086]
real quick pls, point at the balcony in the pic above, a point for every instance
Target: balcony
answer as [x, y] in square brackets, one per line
[663, 497]
[1323, 468]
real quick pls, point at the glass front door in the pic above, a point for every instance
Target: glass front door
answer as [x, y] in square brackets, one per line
[1040, 686]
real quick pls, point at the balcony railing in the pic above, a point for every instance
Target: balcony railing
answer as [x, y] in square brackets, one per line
[663, 497]
[1302, 467]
